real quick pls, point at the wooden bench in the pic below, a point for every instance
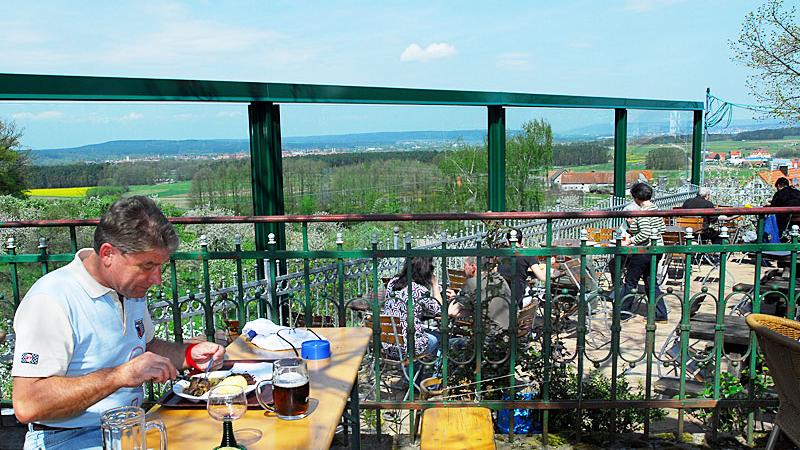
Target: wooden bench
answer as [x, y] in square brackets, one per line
[457, 428]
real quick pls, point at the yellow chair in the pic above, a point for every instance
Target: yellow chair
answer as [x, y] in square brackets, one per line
[457, 428]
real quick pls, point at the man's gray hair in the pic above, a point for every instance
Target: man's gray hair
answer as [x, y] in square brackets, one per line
[704, 192]
[470, 260]
[135, 224]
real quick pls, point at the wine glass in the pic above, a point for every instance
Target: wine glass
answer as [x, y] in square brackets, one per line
[227, 403]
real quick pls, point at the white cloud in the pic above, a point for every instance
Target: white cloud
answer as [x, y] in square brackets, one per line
[44, 115]
[131, 116]
[513, 60]
[433, 51]
[641, 6]
[189, 41]
[229, 114]
[580, 44]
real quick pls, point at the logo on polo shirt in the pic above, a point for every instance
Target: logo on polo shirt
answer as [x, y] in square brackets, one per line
[140, 327]
[29, 358]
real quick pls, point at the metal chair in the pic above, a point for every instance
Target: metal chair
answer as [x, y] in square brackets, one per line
[778, 340]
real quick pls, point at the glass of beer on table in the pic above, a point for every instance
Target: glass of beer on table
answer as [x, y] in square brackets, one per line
[289, 389]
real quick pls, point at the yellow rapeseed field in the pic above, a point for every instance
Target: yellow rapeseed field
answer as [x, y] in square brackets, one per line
[74, 192]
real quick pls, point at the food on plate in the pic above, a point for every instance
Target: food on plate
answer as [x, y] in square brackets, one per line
[198, 386]
[234, 380]
[251, 380]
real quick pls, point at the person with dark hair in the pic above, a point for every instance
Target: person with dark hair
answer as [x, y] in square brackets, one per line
[84, 336]
[785, 195]
[525, 266]
[427, 300]
[643, 231]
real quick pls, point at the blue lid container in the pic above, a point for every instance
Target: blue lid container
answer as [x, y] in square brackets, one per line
[316, 349]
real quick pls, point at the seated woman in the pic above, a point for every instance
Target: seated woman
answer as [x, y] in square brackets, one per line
[427, 300]
[643, 231]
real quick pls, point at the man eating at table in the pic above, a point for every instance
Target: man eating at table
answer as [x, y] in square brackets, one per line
[84, 337]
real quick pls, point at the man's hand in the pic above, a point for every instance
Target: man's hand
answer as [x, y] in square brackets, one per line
[146, 367]
[204, 351]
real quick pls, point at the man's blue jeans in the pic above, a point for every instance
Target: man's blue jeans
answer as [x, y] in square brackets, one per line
[86, 438]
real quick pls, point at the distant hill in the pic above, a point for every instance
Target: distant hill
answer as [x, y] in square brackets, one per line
[653, 132]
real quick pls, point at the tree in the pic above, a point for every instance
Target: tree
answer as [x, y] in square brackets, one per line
[769, 43]
[14, 161]
[528, 156]
[665, 158]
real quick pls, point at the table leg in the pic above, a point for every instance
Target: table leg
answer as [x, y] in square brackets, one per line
[355, 418]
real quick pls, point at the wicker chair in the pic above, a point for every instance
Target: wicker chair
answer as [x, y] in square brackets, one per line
[778, 340]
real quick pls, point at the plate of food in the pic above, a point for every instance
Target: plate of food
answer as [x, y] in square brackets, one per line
[196, 388]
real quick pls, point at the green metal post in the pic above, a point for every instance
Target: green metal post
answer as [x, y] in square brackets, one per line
[177, 323]
[478, 330]
[340, 284]
[684, 326]
[791, 310]
[650, 335]
[620, 150]
[43, 255]
[719, 332]
[697, 146]
[307, 276]
[547, 350]
[497, 158]
[580, 348]
[11, 248]
[208, 305]
[267, 173]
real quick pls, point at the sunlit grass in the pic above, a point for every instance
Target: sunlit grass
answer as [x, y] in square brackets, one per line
[72, 192]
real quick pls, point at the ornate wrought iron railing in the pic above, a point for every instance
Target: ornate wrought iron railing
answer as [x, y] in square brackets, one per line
[590, 308]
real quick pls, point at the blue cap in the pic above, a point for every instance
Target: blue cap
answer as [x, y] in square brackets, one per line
[316, 349]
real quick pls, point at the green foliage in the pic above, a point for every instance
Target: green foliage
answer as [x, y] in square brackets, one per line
[768, 45]
[581, 154]
[14, 161]
[466, 172]
[101, 191]
[666, 158]
[732, 387]
[528, 156]
[788, 153]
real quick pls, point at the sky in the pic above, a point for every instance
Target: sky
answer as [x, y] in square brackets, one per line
[662, 49]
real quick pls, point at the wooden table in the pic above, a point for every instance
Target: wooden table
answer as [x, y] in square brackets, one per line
[332, 383]
[736, 330]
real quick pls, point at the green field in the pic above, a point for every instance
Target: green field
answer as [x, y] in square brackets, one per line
[180, 188]
[746, 147]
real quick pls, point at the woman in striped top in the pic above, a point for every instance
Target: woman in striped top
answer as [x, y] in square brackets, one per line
[643, 231]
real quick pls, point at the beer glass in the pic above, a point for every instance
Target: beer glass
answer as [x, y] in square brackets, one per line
[289, 389]
[124, 428]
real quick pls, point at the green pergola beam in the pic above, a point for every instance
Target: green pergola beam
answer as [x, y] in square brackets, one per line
[497, 158]
[697, 146]
[620, 151]
[64, 87]
[267, 171]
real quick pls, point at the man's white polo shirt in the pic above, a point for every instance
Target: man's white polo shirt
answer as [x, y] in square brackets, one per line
[70, 325]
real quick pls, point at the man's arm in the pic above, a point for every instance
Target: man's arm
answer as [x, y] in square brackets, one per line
[57, 397]
[202, 353]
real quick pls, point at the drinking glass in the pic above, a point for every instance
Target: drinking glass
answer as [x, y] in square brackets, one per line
[290, 389]
[226, 404]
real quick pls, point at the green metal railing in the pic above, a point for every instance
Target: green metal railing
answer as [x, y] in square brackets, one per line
[330, 302]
